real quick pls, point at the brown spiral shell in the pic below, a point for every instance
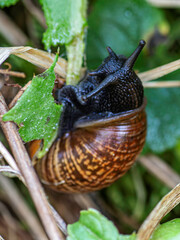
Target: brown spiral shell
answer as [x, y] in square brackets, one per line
[94, 155]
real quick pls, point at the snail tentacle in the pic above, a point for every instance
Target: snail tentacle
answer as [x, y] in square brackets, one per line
[129, 63]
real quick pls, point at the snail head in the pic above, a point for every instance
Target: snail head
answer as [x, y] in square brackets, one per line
[119, 69]
[110, 65]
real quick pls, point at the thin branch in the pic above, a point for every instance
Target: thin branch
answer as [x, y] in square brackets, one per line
[160, 170]
[35, 12]
[14, 85]
[84, 201]
[29, 175]
[7, 156]
[20, 207]
[161, 84]
[35, 56]
[165, 3]
[12, 73]
[10, 222]
[113, 211]
[168, 202]
[60, 222]
[7, 169]
[160, 71]
[141, 195]
[10, 31]
[18, 95]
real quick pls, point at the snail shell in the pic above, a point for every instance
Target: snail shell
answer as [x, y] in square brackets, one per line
[94, 155]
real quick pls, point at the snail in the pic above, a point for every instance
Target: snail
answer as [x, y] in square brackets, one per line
[102, 128]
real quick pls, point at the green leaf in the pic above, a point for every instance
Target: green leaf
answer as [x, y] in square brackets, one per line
[7, 3]
[163, 111]
[119, 24]
[94, 226]
[35, 112]
[65, 20]
[168, 231]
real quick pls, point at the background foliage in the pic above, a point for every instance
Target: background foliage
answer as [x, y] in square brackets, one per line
[119, 24]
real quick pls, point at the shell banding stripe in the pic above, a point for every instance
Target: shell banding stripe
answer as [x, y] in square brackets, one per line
[90, 158]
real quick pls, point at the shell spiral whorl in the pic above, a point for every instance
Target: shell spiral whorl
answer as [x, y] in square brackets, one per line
[92, 158]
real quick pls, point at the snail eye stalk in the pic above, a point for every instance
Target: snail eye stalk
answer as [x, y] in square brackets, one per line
[129, 63]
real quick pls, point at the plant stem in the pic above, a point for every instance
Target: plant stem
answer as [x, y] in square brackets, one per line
[75, 51]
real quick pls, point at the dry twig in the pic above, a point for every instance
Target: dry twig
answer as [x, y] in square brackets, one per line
[7, 156]
[9, 220]
[161, 84]
[165, 3]
[37, 57]
[60, 222]
[11, 32]
[9, 170]
[35, 12]
[21, 209]
[160, 170]
[12, 73]
[18, 95]
[168, 202]
[32, 182]
[160, 71]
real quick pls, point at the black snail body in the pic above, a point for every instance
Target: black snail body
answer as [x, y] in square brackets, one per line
[102, 128]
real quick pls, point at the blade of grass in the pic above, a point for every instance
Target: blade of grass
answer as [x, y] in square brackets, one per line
[160, 71]
[161, 84]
